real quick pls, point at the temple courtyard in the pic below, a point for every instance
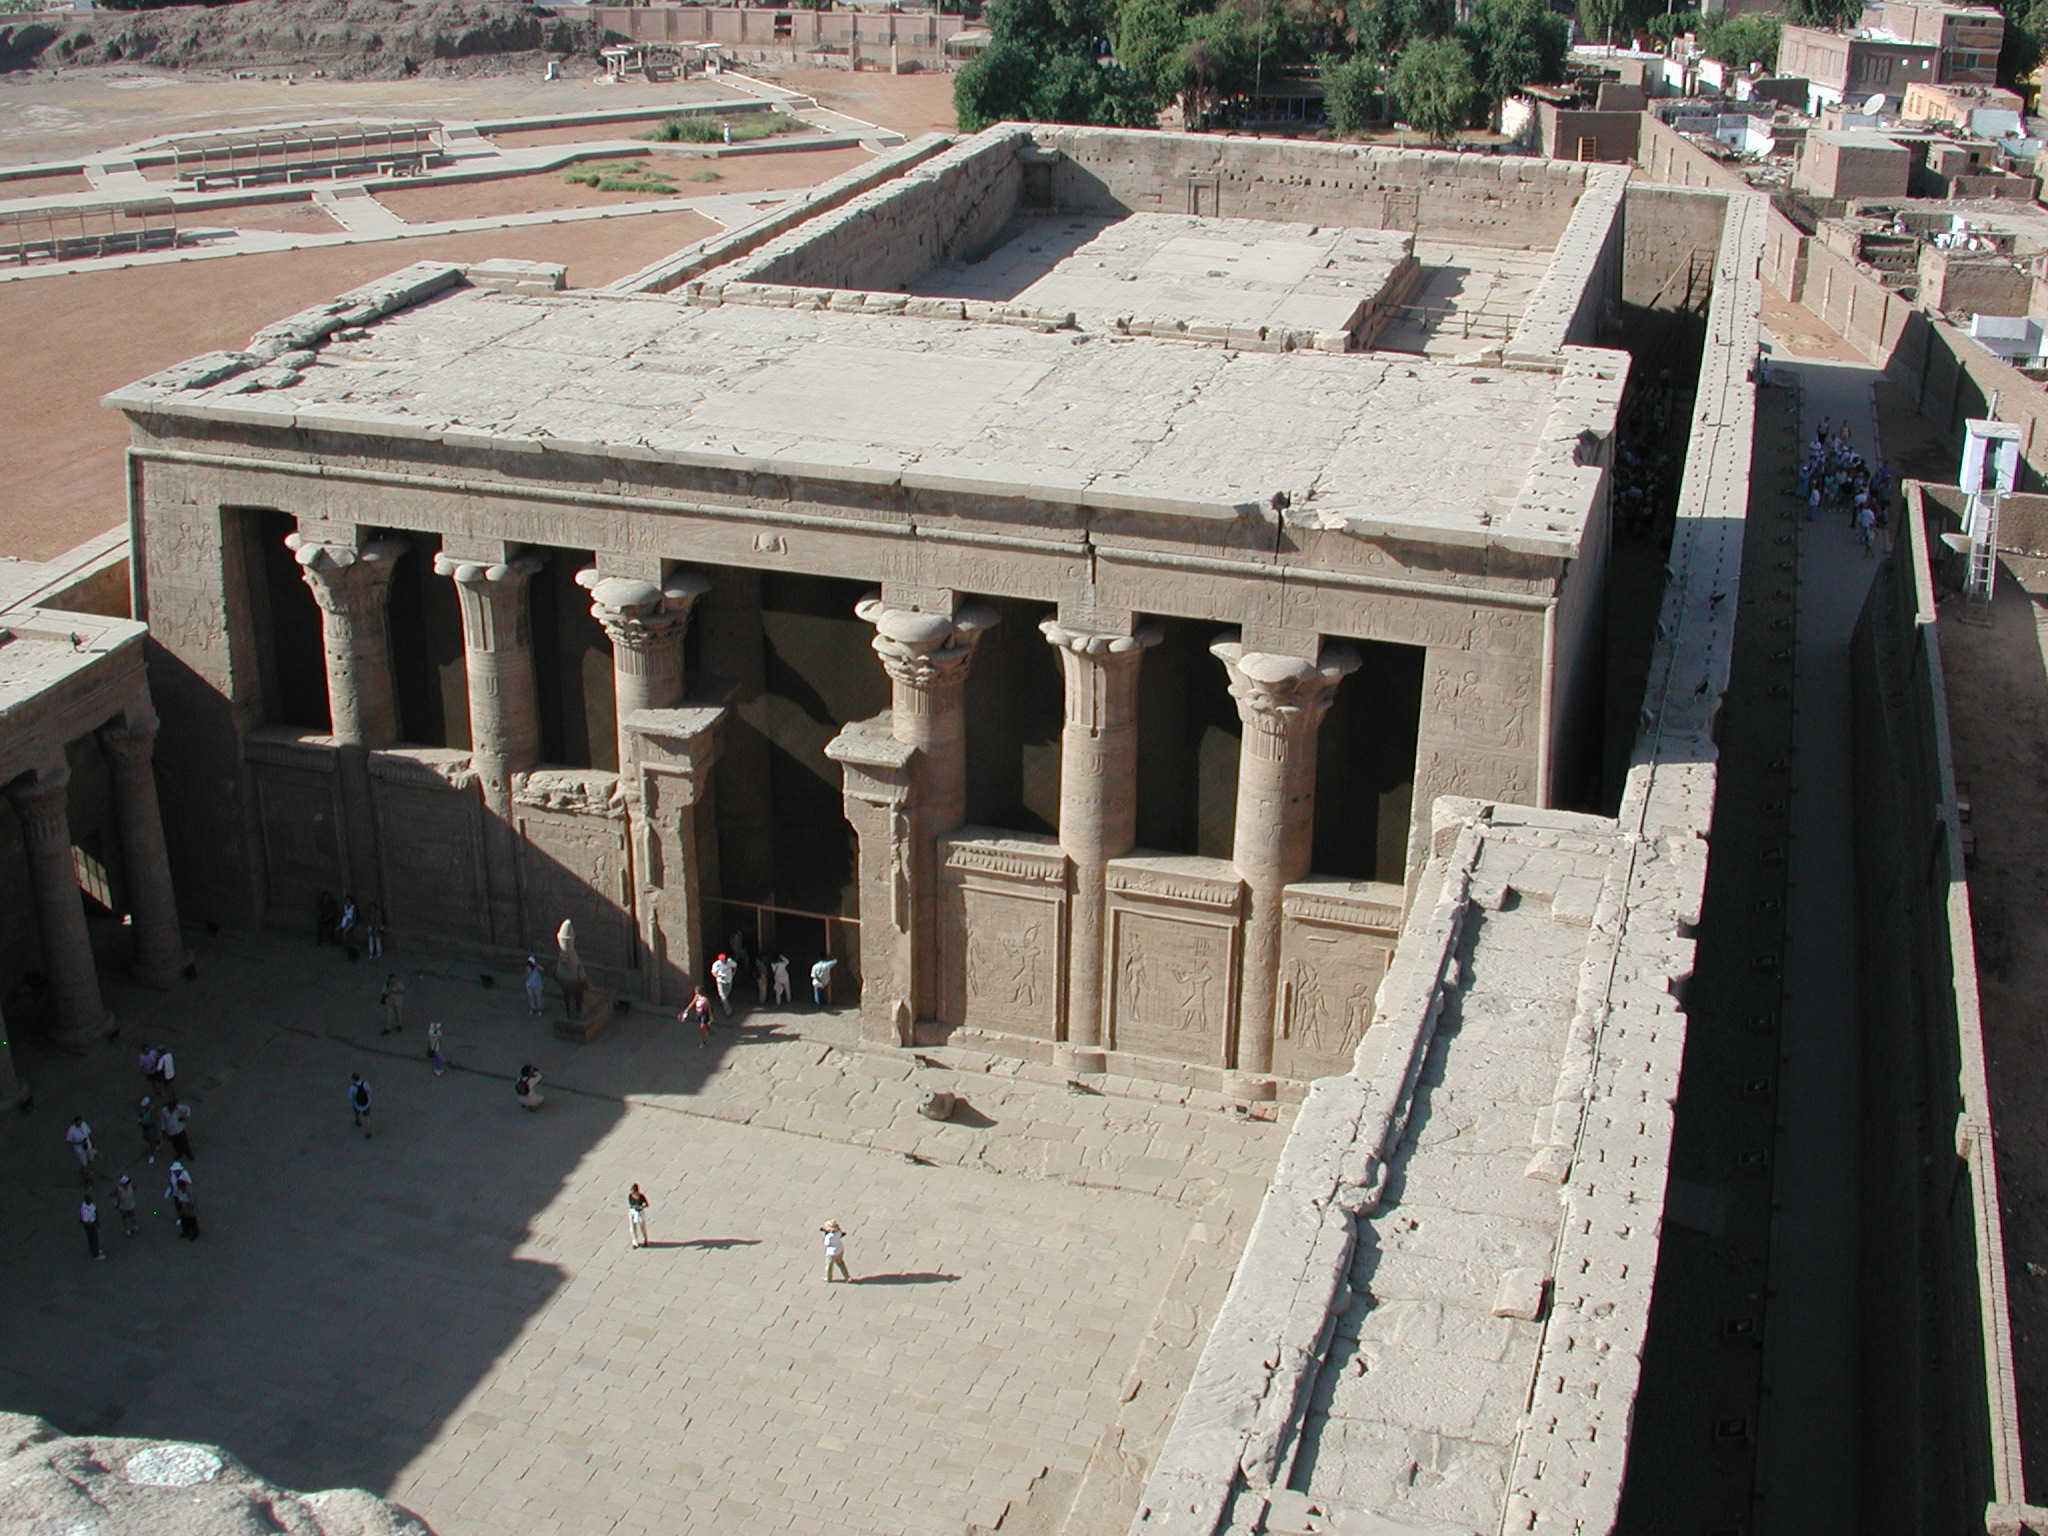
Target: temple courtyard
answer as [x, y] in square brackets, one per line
[449, 1313]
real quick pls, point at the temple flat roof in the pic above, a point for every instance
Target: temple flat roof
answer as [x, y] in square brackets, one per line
[1385, 444]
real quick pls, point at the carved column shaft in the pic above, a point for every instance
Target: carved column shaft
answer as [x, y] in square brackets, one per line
[926, 656]
[81, 1018]
[353, 588]
[1281, 701]
[646, 624]
[1098, 804]
[160, 953]
[880, 800]
[504, 710]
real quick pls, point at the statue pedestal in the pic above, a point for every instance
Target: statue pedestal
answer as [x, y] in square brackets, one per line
[597, 1010]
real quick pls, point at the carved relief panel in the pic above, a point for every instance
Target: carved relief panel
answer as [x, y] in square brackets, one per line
[1335, 948]
[302, 853]
[576, 867]
[1002, 933]
[1175, 943]
[429, 838]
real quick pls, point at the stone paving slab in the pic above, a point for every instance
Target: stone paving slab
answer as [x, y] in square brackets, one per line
[449, 1314]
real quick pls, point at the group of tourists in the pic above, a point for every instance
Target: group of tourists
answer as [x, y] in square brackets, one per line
[358, 930]
[160, 1117]
[771, 983]
[1834, 477]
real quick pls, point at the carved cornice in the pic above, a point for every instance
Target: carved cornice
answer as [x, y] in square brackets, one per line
[572, 792]
[437, 768]
[1009, 858]
[1374, 909]
[1221, 889]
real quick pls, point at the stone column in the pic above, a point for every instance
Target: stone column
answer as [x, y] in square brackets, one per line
[82, 1020]
[645, 622]
[1282, 701]
[926, 654]
[879, 799]
[1098, 804]
[160, 954]
[352, 584]
[504, 705]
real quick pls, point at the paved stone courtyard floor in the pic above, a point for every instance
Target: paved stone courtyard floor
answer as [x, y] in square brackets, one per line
[449, 1313]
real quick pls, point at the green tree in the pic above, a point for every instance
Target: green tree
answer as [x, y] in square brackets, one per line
[1044, 64]
[1514, 42]
[1352, 91]
[1743, 40]
[1599, 20]
[1150, 38]
[1823, 13]
[1433, 88]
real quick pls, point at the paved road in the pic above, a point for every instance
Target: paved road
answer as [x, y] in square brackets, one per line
[450, 1314]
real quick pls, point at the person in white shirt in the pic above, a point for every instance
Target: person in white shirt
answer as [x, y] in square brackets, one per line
[821, 981]
[779, 969]
[89, 1218]
[723, 971]
[835, 1251]
[80, 1139]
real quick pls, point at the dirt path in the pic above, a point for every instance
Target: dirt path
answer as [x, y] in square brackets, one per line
[69, 339]
[911, 104]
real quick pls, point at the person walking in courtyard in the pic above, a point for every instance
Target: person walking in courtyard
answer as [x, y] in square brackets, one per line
[179, 1193]
[536, 987]
[723, 972]
[375, 926]
[166, 1068]
[147, 1059]
[698, 1012]
[359, 1102]
[527, 1088]
[347, 927]
[173, 1118]
[821, 982]
[636, 1217]
[124, 1203]
[79, 1138]
[835, 1251]
[89, 1218]
[779, 969]
[393, 999]
[152, 1128]
[434, 1057]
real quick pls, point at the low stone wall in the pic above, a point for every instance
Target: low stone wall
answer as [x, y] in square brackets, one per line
[1938, 1352]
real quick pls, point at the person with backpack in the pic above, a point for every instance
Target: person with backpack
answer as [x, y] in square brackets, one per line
[359, 1102]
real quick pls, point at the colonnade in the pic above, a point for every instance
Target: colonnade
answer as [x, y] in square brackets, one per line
[906, 781]
[41, 799]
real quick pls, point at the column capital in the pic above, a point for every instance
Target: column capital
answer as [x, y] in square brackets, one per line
[346, 578]
[1101, 645]
[638, 614]
[41, 801]
[131, 744]
[486, 573]
[1283, 695]
[925, 650]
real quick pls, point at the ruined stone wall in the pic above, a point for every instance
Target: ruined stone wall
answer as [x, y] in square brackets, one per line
[1669, 235]
[1477, 199]
[947, 209]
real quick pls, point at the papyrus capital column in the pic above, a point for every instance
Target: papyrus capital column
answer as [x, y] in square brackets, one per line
[352, 585]
[926, 653]
[160, 953]
[81, 1019]
[497, 652]
[1098, 802]
[645, 622]
[1281, 701]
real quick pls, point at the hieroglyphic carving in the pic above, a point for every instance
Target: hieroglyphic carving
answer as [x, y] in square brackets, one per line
[574, 867]
[1002, 916]
[1173, 985]
[1329, 978]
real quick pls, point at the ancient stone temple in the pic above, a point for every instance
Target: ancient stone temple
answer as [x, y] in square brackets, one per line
[1054, 578]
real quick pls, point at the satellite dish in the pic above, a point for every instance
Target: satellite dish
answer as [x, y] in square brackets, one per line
[1875, 105]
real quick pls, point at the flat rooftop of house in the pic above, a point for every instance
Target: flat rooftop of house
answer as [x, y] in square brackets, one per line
[1118, 423]
[1245, 273]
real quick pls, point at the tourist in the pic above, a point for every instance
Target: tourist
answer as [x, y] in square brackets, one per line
[89, 1218]
[779, 968]
[835, 1251]
[173, 1116]
[326, 919]
[375, 927]
[1866, 522]
[536, 982]
[698, 1012]
[434, 1057]
[393, 999]
[348, 924]
[166, 1068]
[179, 1193]
[80, 1139]
[821, 981]
[124, 1202]
[1813, 502]
[527, 1088]
[723, 970]
[151, 1127]
[359, 1102]
[636, 1217]
[147, 1059]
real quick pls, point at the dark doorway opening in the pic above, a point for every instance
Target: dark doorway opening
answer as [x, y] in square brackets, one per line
[1365, 766]
[426, 650]
[1188, 739]
[291, 662]
[1016, 705]
[572, 662]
